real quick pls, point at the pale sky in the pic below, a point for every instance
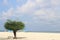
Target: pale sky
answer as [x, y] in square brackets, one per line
[38, 15]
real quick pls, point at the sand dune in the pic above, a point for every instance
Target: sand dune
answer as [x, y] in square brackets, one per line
[30, 36]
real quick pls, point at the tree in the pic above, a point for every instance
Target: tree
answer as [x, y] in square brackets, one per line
[14, 26]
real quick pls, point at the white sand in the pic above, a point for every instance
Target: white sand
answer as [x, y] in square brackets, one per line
[31, 36]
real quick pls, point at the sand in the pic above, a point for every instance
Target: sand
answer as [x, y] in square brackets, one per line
[30, 36]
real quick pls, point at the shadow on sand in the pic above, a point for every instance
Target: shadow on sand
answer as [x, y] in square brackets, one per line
[13, 38]
[21, 37]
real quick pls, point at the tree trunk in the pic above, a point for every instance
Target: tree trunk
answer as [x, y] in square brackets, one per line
[14, 34]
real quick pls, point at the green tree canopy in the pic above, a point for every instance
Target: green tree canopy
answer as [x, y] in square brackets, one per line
[14, 26]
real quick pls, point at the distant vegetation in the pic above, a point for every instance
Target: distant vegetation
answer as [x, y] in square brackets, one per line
[14, 26]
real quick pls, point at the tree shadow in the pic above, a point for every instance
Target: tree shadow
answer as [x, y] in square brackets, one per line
[21, 37]
[13, 38]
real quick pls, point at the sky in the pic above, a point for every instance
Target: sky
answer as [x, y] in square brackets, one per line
[38, 15]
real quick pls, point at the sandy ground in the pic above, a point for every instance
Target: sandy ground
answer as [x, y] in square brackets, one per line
[30, 36]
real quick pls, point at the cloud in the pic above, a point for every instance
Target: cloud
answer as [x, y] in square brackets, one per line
[39, 8]
[5, 2]
[31, 5]
[55, 2]
[7, 14]
[45, 14]
[26, 7]
[17, 0]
